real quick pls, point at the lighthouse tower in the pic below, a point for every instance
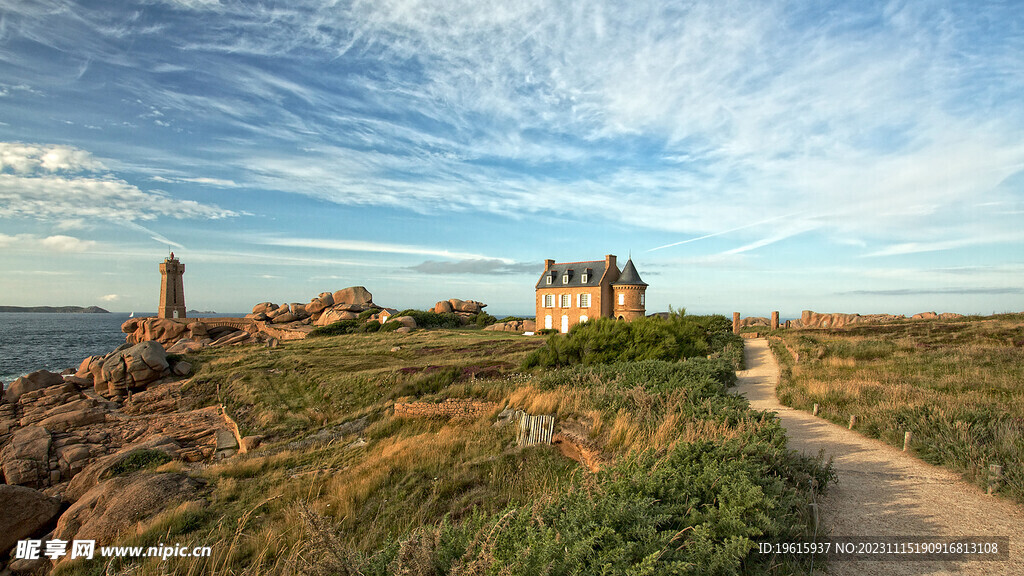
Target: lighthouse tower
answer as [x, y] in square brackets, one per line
[172, 290]
[629, 294]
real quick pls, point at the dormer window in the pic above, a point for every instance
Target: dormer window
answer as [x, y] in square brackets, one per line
[565, 278]
[549, 278]
[585, 278]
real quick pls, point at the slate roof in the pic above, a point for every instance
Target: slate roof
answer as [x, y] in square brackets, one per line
[576, 270]
[629, 276]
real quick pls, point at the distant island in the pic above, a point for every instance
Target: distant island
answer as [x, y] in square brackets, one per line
[56, 309]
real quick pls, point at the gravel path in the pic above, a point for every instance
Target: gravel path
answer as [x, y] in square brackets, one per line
[884, 492]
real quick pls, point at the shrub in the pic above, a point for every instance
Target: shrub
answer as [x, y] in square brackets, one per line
[604, 340]
[390, 326]
[139, 460]
[339, 327]
[365, 314]
[429, 319]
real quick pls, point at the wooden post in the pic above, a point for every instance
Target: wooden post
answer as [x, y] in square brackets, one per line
[775, 320]
[814, 412]
[995, 475]
[853, 420]
[735, 322]
[906, 440]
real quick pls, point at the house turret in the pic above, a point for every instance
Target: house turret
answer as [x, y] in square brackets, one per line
[629, 294]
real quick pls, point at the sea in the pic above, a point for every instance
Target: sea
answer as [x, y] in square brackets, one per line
[31, 341]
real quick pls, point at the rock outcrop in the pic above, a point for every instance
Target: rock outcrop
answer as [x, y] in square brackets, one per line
[810, 319]
[35, 381]
[113, 505]
[513, 326]
[26, 458]
[353, 295]
[26, 513]
[132, 369]
[163, 330]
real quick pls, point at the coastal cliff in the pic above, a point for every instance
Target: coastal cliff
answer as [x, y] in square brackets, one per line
[56, 309]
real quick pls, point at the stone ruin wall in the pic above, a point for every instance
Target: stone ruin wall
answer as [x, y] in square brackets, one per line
[452, 408]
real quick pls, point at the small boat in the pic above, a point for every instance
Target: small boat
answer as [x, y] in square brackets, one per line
[132, 315]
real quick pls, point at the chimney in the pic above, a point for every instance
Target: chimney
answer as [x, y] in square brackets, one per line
[548, 264]
[609, 261]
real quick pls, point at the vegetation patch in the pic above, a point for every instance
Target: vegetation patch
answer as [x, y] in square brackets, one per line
[691, 478]
[955, 386]
[605, 340]
[138, 460]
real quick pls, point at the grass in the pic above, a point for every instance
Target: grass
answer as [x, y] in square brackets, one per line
[955, 385]
[340, 486]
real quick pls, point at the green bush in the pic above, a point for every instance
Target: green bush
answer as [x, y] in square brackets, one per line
[390, 326]
[429, 319]
[699, 508]
[604, 340]
[483, 319]
[339, 327]
[138, 460]
[365, 314]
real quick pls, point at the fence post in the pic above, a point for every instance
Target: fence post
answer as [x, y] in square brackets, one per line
[853, 421]
[995, 475]
[814, 412]
[906, 440]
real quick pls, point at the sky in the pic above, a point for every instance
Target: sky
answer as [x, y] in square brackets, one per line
[749, 156]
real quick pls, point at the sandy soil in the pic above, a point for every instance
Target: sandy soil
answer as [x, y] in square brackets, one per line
[882, 491]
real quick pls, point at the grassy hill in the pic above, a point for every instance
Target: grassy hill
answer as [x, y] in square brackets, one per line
[689, 478]
[954, 385]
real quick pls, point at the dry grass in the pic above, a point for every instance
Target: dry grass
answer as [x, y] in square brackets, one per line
[322, 504]
[956, 386]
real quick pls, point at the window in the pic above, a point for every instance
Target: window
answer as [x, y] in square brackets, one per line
[585, 278]
[565, 278]
[584, 300]
[622, 299]
[549, 300]
[641, 299]
[547, 322]
[583, 319]
[549, 278]
[566, 301]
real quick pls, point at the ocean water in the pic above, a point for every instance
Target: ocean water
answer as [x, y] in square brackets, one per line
[37, 341]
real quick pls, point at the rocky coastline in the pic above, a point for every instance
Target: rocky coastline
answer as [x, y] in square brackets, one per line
[75, 447]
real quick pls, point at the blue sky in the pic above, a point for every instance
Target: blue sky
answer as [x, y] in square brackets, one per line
[751, 156]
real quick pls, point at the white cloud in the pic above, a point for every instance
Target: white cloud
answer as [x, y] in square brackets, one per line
[34, 189]
[366, 246]
[873, 122]
[57, 243]
[27, 158]
[216, 182]
[110, 298]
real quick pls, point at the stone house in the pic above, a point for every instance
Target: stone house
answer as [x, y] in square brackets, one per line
[572, 292]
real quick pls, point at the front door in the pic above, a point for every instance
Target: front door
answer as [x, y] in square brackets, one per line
[547, 322]
[565, 324]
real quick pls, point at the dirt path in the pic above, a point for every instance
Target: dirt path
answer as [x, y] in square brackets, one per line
[882, 491]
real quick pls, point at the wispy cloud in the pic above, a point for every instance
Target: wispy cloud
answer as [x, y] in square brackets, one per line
[366, 246]
[216, 182]
[475, 266]
[56, 243]
[33, 190]
[992, 291]
[110, 297]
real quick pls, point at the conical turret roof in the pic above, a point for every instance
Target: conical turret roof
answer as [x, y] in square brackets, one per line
[629, 276]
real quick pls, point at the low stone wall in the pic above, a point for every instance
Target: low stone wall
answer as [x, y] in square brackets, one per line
[452, 408]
